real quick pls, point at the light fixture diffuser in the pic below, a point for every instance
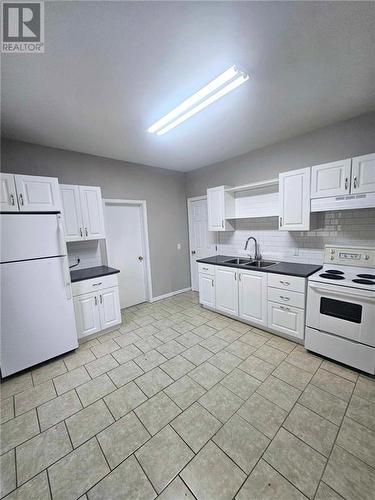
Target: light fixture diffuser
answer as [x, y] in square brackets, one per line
[220, 86]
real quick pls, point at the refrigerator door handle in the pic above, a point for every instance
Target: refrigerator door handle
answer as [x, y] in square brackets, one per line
[65, 265]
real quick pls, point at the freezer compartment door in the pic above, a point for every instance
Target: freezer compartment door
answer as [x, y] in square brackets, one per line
[29, 236]
[37, 313]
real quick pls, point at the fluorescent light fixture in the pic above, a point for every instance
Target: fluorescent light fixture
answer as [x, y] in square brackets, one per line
[224, 83]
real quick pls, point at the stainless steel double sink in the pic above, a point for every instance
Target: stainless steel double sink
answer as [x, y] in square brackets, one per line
[250, 262]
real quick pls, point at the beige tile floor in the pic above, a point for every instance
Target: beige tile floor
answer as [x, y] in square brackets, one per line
[182, 402]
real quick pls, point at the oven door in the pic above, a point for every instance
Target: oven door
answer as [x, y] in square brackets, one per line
[342, 311]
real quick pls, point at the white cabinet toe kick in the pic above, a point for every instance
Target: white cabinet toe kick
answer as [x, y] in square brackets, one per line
[272, 302]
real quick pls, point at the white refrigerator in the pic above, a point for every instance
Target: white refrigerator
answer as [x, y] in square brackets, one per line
[37, 313]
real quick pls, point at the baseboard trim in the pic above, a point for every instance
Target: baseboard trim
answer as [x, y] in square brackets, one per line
[170, 294]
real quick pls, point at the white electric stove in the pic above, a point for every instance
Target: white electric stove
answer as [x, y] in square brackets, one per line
[340, 319]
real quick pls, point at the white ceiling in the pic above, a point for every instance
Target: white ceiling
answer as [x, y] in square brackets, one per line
[111, 69]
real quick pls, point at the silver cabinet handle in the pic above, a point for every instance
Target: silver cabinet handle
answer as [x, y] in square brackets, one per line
[286, 283]
[235, 276]
[212, 282]
[284, 298]
[193, 252]
[346, 183]
[12, 202]
[239, 276]
[86, 231]
[222, 223]
[81, 232]
[96, 284]
[21, 199]
[281, 222]
[96, 300]
[355, 180]
[101, 298]
[283, 308]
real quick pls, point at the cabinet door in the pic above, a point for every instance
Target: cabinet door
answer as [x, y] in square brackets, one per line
[8, 196]
[226, 290]
[109, 302]
[331, 179]
[86, 308]
[38, 194]
[286, 319]
[92, 212]
[216, 209]
[71, 210]
[294, 194]
[363, 174]
[253, 296]
[207, 290]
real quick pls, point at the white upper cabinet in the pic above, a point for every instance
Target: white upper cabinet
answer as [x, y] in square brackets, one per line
[83, 212]
[8, 195]
[253, 296]
[226, 290]
[363, 174]
[37, 194]
[219, 205]
[92, 211]
[331, 179]
[29, 193]
[294, 199]
[72, 215]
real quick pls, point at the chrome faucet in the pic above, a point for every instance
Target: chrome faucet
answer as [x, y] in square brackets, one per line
[257, 255]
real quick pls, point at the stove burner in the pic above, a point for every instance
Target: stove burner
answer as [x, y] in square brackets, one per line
[367, 276]
[332, 276]
[364, 282]
[334, 271]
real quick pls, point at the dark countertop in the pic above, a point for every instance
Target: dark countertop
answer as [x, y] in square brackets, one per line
[289, 268]
[91, 272]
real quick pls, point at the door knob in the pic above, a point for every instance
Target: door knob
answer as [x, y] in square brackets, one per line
[140, 258]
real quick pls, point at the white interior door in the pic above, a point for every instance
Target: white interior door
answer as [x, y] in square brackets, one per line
[202, 241]
[125, 250]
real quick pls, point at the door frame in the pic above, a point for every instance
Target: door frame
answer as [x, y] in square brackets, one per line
[145, 241]
[189, 205]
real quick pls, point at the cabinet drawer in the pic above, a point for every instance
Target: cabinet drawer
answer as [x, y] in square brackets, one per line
[286, 319]
[206, 269]
[87, 286]
[285, 282]
[286, 297]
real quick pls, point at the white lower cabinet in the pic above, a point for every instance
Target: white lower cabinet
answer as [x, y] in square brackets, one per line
[96, 310]
[109, 307]
[207, 290]
[275, 302]
[286, 319]
[253, 296]
[87, 314]
[226, 290]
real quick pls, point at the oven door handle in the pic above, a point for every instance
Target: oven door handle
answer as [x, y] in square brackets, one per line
[352, 295]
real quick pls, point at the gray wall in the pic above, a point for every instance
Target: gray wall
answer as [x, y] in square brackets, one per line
[164, 191]
[343, 140]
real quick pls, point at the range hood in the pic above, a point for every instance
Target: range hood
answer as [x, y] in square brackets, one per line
[345, 202]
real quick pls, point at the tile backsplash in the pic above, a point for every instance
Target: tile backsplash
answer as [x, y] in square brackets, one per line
[348, 227]
[88, 251]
